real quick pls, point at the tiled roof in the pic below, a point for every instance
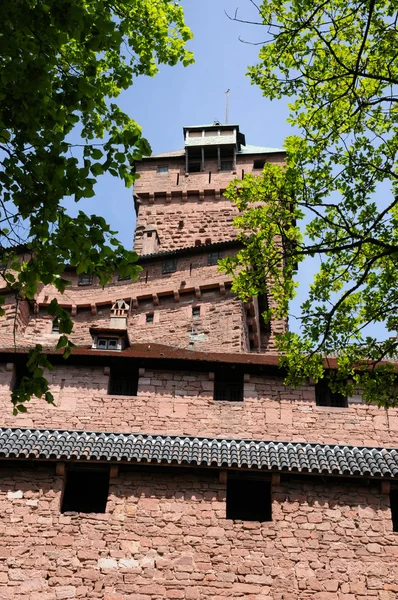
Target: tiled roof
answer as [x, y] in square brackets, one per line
[199, 452]
[192, 249]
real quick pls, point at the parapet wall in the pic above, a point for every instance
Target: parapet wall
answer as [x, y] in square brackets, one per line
[181, 403]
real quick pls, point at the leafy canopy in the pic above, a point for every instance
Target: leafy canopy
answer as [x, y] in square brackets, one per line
[337, 198]
[62, 64]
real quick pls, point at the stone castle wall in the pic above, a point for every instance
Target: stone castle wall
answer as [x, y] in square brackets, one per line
[165, 535]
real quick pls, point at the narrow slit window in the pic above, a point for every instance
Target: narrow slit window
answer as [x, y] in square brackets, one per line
[123, 382]
[394, 508]
[195, 312]
[162, 169]
[149, 318]
[249, 499]
[85, 279]
[325, 397]
[169, 266]
[55, 326]
[228, 386]
[213, 258]
[85, 491]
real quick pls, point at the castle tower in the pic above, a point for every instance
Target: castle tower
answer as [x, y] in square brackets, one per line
[184, 226]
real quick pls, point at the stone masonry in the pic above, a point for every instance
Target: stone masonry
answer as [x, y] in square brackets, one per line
[165, 532]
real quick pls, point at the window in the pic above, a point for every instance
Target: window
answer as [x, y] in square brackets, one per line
[162, 169]
[123, 382]
[195, 312]
[85, 279]
[249, 499]
[394, 508]
[227, 165]
[21, 371]
[107, 343]
[213, 258]
[55, 326]
[169, 266]
[194, 167]
[228, 386]
[259, 163]
[85, 491]
[263, 306]
[325, 397]
[149, 318]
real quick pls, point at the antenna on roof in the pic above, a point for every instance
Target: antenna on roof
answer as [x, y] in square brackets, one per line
[226, 105]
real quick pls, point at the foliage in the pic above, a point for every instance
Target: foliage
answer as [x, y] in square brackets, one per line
[62, 64]
[337, 200]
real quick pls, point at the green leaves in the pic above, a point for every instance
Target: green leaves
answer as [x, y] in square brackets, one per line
[337, 63]
[62, 64]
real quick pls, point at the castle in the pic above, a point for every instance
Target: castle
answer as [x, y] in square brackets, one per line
[176, 464]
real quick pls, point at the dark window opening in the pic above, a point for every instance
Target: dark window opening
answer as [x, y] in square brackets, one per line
[21, 371]
[180, 224]
[196, 312]
[249, 499]
[162, 168]
[85, 491]
[325, 397]
[198, 243]
[55, 326]
[227, 165]
[178, 179]
[394, 508]
[259, 163]
[123, 382]
[146, 277]
[265, 326]
[228, 386]
[194, 167]
[169, 266]
[149, 318]
[85, 279]
[213, 258]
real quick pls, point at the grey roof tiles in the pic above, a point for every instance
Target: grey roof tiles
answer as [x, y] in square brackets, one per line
[202, 452]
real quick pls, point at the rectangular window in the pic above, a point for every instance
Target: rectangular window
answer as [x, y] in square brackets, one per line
[213, 258]
[194, 167]
[249, 499]
[55, 326]
[169, 266]
[259, 163]
[85, 279]
[227, 165]
[162, 169]
[149, 318]
[195, 312]
[123, 382]
[394, 508]
[228, 386]
[85, 491]
[325, 397]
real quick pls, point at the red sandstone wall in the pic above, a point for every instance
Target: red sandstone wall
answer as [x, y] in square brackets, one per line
[181, 403]
[164, 535]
